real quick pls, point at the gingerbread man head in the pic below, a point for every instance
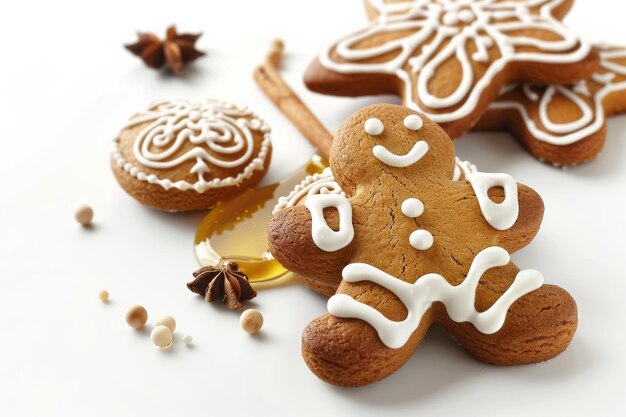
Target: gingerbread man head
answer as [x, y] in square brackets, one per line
[416, 246]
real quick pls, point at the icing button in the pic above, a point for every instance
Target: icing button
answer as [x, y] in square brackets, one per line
[412, 207]
[421, 239]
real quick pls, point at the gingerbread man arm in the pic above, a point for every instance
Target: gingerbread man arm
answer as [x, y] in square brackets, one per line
[526, 225]
[529, 219]
[290, 242]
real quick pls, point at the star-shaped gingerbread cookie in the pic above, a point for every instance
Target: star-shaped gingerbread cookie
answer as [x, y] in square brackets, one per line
[449, 59]
[563, 125]
[417, 240]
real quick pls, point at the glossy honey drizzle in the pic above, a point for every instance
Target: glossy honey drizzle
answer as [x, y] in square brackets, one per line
[236, 230]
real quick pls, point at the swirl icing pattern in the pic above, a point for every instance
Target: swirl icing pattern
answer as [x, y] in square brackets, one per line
[221, 135]
[424, 36]
[587, 95]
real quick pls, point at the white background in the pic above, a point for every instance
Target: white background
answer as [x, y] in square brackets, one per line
[66, 85]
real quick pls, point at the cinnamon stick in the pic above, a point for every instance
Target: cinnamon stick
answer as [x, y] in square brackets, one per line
[268, 78]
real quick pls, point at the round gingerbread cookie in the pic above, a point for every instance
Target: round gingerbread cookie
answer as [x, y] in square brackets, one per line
[180, 155]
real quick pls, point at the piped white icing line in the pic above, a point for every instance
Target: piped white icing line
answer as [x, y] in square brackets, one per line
[413, 122]
[612, 79]
[374, 127]
[324, 237]
[500, 216]
[419, 297]
[323, 183]
[416, 153]
[462, 169]
[452, 25]
[421, 239]
[223, 128]
[412, 207]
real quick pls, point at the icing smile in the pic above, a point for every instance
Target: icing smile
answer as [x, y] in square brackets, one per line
[401, 161]
[412, 122]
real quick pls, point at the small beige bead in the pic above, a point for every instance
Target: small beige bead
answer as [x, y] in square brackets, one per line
[161, 336]
[278, 44]
[251, 321]
[136, 317]
[187, 339]
[103, 296]
[167, 321]
[84, 216]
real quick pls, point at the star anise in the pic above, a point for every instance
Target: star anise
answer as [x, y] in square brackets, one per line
[177, 50]
[224, 281]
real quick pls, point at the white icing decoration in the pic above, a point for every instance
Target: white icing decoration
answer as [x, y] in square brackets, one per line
[451, 26]
[324, 237]
[413, 122]
[463, 169]
[374, 127]
[603, 78]
[401, 161]
[500, 216]
[412, 207]
[323, 183]
[223, 128]
[421, 239]
[581, 88]
[611, 78]
[418, 297]
[528, 92]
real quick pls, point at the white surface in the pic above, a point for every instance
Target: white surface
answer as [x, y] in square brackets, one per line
[66, 85]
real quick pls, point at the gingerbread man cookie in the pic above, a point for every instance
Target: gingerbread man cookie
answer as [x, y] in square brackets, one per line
[563, 125]
[416, 247]
[180, 155]
[449, 59]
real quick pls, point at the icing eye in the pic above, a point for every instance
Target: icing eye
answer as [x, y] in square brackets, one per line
[374, 127]
[413, 122]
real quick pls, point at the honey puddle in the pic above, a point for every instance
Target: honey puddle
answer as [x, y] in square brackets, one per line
[236, 230]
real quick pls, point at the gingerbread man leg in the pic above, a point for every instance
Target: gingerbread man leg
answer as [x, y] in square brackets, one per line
[349, 353]
[538, 326]
[507, 327]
